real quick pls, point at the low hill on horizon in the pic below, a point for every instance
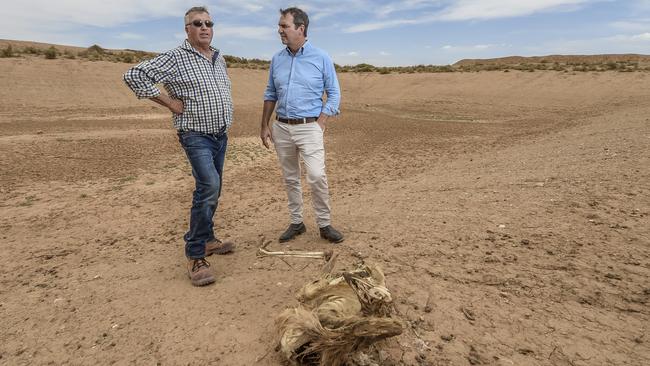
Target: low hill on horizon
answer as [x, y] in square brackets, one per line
[39, 45]
[600, 62]
[564, 59]
[11, 48]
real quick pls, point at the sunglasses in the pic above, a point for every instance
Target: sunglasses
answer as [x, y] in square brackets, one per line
[199, 23]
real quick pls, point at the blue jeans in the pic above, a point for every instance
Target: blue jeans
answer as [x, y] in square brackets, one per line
[206, 154]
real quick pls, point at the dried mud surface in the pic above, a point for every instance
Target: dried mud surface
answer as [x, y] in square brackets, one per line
[509, 211]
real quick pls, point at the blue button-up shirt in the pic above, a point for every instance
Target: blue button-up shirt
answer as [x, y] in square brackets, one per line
[297, 82]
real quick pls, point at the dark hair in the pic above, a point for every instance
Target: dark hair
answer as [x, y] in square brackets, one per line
[299, 17]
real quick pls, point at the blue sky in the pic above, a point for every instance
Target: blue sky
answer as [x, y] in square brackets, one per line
[384, 33]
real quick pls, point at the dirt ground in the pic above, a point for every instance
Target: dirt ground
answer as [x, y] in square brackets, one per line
[516, 205]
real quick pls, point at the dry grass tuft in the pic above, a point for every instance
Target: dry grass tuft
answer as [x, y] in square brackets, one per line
[339, 315]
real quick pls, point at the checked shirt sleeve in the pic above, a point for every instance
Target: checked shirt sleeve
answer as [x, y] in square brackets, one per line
[142, 77]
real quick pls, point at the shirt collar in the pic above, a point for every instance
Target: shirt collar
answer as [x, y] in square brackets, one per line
[188, 46]
[305, 48]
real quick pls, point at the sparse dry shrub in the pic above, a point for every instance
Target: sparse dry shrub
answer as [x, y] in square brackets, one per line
[69, 55]
[97, 53]
[557, 67]
[7, 52]
[364, 68]
[51, 53]
[32, 51]
[126, 57]
[495, 67]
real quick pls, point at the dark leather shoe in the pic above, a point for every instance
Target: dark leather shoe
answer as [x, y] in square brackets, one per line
[331, 234]
[292, 231]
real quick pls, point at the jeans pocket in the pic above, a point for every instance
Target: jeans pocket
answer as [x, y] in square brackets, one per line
[191, 138]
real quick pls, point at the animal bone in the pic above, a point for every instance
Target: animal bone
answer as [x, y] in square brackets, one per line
[262, 252]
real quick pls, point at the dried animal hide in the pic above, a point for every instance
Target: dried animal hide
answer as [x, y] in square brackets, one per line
[339, 314]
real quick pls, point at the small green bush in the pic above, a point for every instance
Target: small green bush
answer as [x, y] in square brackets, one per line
[51, 53]
[33, 51]
[7, 52]
[126, 57]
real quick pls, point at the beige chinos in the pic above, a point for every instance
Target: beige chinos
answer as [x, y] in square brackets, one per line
[305, 141]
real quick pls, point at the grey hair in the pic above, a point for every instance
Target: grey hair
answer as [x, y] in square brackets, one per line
[195, 9]
[299, 17]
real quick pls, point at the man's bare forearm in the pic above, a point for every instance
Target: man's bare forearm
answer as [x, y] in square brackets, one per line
[269, 107]
[162, 99]
[323, 117]
[174, 105]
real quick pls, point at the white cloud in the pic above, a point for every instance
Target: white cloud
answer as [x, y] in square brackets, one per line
[259, 33]
[71, 21]
[640, 37]
[130, 36]
[641, 5]
[328, 8]
[235, 6]
[621, 43]
[493, 9]
[57, 19]
[157, 25]
[474, 48]
[464, 10]
[401, 6]
[637, 25]
[365, 27]
[68, 13]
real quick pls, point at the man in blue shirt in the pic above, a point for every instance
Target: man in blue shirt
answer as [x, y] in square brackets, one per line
[298, 77]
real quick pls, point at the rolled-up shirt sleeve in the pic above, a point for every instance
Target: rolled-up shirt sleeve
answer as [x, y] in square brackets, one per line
[270, 93]
[142, 77]
[332, 90]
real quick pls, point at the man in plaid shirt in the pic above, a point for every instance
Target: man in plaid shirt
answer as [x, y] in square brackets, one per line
[198, 94]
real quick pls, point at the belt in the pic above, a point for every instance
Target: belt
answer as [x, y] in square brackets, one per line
[297, 121]
[213, 134]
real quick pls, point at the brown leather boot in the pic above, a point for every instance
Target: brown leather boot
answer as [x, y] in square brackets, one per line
[200, 272]
[216, 246]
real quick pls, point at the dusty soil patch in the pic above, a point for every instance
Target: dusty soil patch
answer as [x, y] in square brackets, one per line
[509, 212]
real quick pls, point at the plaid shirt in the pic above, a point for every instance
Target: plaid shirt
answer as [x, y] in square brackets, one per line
[202, 84]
